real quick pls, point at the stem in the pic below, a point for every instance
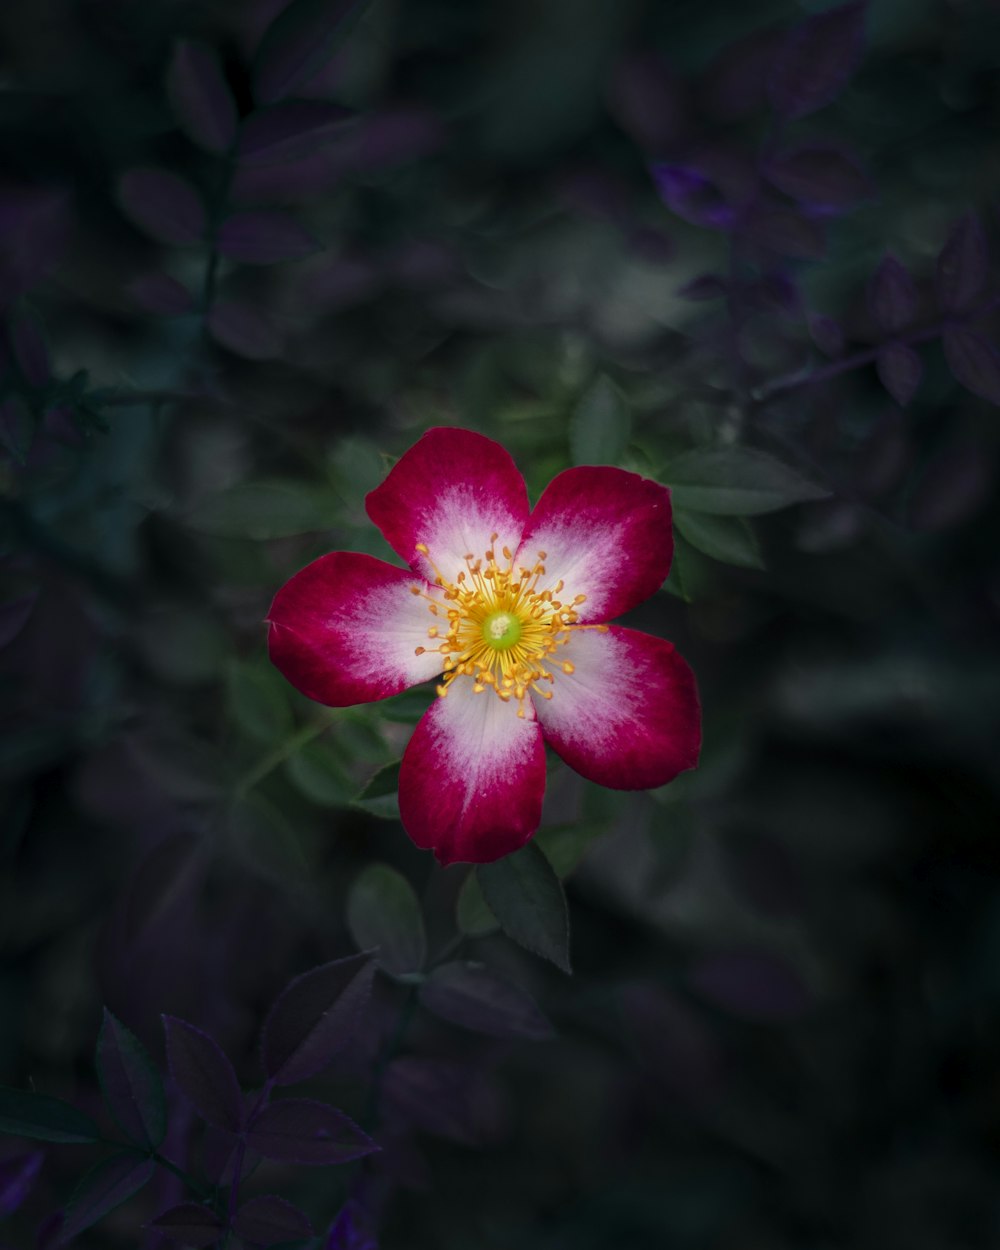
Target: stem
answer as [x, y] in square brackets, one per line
[192, 1184]
[253, 776]
[241, 1150]
[793, 381]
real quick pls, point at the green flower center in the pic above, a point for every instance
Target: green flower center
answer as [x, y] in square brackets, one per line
[501, 630]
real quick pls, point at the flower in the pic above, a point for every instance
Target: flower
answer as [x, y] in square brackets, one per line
[507, 607]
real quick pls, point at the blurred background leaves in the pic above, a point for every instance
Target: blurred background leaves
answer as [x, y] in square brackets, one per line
[248, 253]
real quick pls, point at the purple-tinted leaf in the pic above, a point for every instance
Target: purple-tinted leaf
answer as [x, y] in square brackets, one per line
[527, 898]
[707, 286]
[163, 205]
[14, 616]
[974, 361]
[314, 1018]
[17, 1175]
[749, 984]
[131, 1084]
[825, 178]
[107, 1185]
[383, 913]
[892, 297]
[200, 96]
[647, 102]
[243, 331]
[690, 194]
[217, 1154]
[203, 1074]
[17, 427]
[299, 43]
[189, 1223]
[350, 1230]
[299, 1130]
[884, 456]
[34, 225]
[472, 996]
[957, 482]
[265, 238]
[963, 265]
[29, 348]
[675, 1045]
[160, 295]
[827, 334]
[23, 1113]
[289, 131]
[735, 85]
[816, 59]
[787, 233]
[392, 137]
[900, 370]
[161, 880]
[269, 1220]
[442, 1097]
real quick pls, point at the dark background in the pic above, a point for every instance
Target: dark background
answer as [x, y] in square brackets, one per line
[783, 1021]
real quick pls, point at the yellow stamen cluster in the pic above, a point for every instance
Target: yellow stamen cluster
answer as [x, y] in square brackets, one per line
[495, 625]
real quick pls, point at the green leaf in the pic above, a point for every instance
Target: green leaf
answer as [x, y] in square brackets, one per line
[736, 481]
[472, 912]
[316, 771]
[380, 796]
[17, 427]
[600, 425]
[263, 510]
[690, 573]
[524, 894]
[27, 1114]
[383, 912]
[107, 1185]
[728, 539]
[258, 701]
[565, 845]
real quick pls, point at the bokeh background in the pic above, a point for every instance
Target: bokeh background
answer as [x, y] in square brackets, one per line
[601, 233]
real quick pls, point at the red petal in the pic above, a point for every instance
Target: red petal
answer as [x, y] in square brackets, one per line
[344, 630]
[451, 491]
[606, 533]
[628, 716]
[473, 776]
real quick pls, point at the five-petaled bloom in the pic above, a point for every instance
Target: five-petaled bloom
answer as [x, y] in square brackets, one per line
[506, 607]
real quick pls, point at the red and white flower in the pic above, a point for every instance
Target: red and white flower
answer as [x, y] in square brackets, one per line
[506, 606]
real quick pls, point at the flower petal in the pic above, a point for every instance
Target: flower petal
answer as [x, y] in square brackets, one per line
[344, 630]
[606, 533]
[451, 491]
[473, 776]
[628, 716]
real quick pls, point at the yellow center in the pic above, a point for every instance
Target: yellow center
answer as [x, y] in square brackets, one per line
[496, 625]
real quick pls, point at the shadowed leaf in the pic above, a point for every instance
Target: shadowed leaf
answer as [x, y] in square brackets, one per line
[243, 330]
[736, 481]
[974, 361]
[264, 237]
[299, 43]
[17, 1175]
[381, 795]
[472, 912]
[470, 995]
[600, 425]
[270, 1220]
[524, 894]
[189, 1223]
[200, 96]
[724, 538]
[749, 984]
[107, 1185]
[900, 370]
[17, 427]
[350, 1230]
[163, 205]
[29, 346]
[963, 265]
[892, 297]
[299, 1130]
[131, 1084]
[203, 1074]
[160, 295]
[823, 177]
[264, 510]
[383, 912]
[24, 1113]
[816, 59]
[289, 131]
[314, 1018]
